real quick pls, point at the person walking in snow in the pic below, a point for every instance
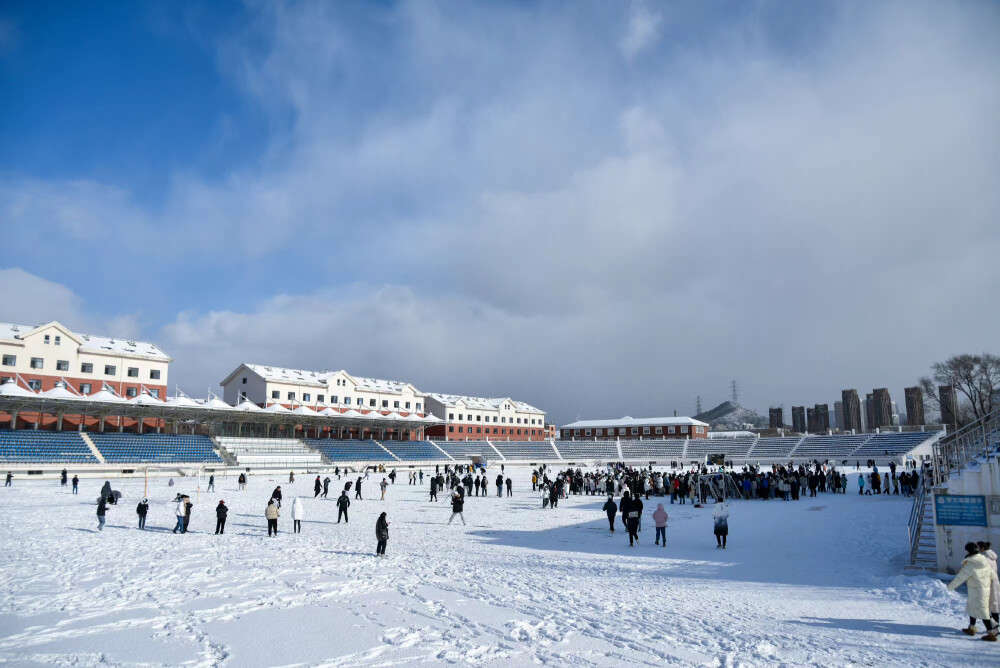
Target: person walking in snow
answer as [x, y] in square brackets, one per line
[10, 476]
[76, 484]
[242, 481]
[211, 483]
[276, 495]
[611, 508]
[991, 557]
[271, 514]
[457, 505]
[434, 488]
[141, 511]
[981, 579]
[357, 488]
[510, 486]
[720, 518]
[221, 511]
[298, 514]
[317, 487]
[381, 535]
[102, 508]
[660, 519]
[179, 511]
[499, 484]
[630, 509]
[62, 478]
[326, 487]
[291, 477]
[343, 503]
[383, 485]
[188, 505]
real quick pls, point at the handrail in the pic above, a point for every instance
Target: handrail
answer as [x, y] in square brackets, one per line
[916, 519]
[957, 449]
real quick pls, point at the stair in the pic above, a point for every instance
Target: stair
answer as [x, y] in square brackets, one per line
[553, 444]
[93, 448]
[387, 450]
[923, 539]
[224, 454]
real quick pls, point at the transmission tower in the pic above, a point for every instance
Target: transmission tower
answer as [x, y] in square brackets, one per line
[697, 403]
[736, 391]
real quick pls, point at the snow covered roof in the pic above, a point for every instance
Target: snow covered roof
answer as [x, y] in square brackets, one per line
[90, 342]
[60, 392]
[12, 389]
[629, 421]
[276, 374]
[482, 403]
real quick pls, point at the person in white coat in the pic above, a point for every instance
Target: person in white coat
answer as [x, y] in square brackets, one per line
[991, 556]
[720, 516]
[297, 515]
[980, 579]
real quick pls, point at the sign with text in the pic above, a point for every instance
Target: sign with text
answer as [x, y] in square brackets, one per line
[960, 510]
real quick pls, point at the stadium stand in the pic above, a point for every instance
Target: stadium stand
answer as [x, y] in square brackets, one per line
[526, 450]
[603, 451]
[895, 444]
[779, 447]
[120, 448]
[654, 451]
[270, 451]
[350, 450]
[462, 450]
[66, 447]
[829, 447]
[415, 451]
[732, 448]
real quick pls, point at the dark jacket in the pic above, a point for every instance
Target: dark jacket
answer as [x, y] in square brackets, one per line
[276, 494]
[221, 510]
[610, 507]
[381, 529]
[457, 503]
[499, 481]
[142, 509]
[343, 503]
[102, 507]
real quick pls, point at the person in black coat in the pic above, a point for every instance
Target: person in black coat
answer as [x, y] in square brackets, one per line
[631, 509]
[276, 495]
[76, 483]
[553, 496]
[381, 535]
[326, 486]
[63, 477]
[510, 487]
[457, 505]
[434, 488]
[611, 509]
[343, 503]
[317, 487]
[500, 484]
[357, 489]
[141, 511]
[102, 508]
[187, 514]
[221, 511]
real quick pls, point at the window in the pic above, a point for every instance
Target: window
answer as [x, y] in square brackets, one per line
[9, 360]
[244, 379]
[418, 407]
[385, 403]
[275, 394]
[133, 372]
[243, 395]
[371, 402]
[36, 363]
[684, 429]
[479, 418]
[110, 369]
[645, 430]
[84, 388]
[62, 365]
[58, 339]
[494, 430]
[156, 393]
[154, 374]
[659, 430]
[459, 430]
[479, 430]
[451, 429]
[320, 398]
[635, 431]
[576, 432]
[494, 418]
[621, 431]
[306, 396]
[518, 432]
[670, 430]
[291, 396]
[360, 402]
[407, 405]
[86, 367]
[451, 416]
[503, 431]
[504, 420]
[35, 384]
[701, 430]
[46, 339]
[460, 417]
[589, 433]
[130, 392]
[395, 404]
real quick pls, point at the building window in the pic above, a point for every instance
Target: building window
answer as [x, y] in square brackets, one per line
[58, 339]
[684, 430]
[407, 405]
[701, 430]
[84, 388]
[503, 419]
[130, 392]
[518, 432]
[62, 365]
[243, 395]
[418, 407]
[479, 430]
[9, 360]
[133, 372]
[371, 402]
[635, 431]
[588, 432]
[395, 404]
[451, 429]
[479, 418]
[291, 396]
[670, 430]
[659, 430]
[451, 416]
[36, 363]
[35, 384]
[244, 380]
[155, 393]
[46, 339]
[306, 396]
[645, 431]
[459, 430]
[360, 401]
[110, 369]
[275, 394]
[459, 417]
[621, 431]
[86, 367]
[154, 374]
[320, 398]
[385, 403]
[494, 419]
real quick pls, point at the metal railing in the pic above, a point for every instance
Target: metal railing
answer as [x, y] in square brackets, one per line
[977, 439]
[916, 519]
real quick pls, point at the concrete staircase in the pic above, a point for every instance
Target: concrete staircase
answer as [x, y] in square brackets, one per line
[93, 448]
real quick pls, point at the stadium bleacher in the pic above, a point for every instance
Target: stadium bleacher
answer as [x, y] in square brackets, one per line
[526, 450]
[462, 450]
[895, 444]
[732, 448]
[120, 448]
[252, 451]
[655, 451]
[56, 447]
[829, 447]
[778, 447]
[603, 451]
[350, 450]
[415, 451]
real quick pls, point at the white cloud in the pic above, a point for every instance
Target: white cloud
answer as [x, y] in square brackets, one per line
[642, 31]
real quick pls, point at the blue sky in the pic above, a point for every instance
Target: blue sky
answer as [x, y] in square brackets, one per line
[600, 208]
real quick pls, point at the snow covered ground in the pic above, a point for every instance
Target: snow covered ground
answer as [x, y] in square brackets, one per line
[810, 583]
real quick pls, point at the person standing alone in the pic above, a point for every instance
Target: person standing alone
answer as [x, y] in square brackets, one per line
[220, 517]
[720, 517]
[381, 535]
[298, 514]
[141, 511]
[457, 505]
[343, 503]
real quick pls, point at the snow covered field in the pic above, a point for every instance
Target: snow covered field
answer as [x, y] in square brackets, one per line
[810, 583]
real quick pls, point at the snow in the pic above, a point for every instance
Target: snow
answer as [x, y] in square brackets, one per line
[816, 582]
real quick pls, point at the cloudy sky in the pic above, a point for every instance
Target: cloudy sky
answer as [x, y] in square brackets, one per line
[599, 208]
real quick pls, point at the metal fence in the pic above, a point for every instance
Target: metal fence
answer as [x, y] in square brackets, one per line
[978, 439]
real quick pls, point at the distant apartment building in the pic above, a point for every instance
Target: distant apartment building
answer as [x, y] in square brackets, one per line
[636, 428]
[949, 405]
[799, 419]
[838, 415]
[879, 408]
[475, 418]
[914, 405]
[822, 418]
[852, 419]
[811, 420]
[776, 418]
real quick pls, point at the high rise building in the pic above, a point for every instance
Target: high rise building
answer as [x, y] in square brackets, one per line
[949, 405]
[811, 420]
[838, 415]
[776, 418]
[914, 405]
[822, 413]
[852, 412]
[880, 408]
[869, 412]
[799, 419]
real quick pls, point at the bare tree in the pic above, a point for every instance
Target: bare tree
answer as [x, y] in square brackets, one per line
[976, 378]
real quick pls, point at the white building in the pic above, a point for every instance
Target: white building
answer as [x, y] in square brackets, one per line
[44, 355]
[265, 385]
[477, 418]
[631, 428]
